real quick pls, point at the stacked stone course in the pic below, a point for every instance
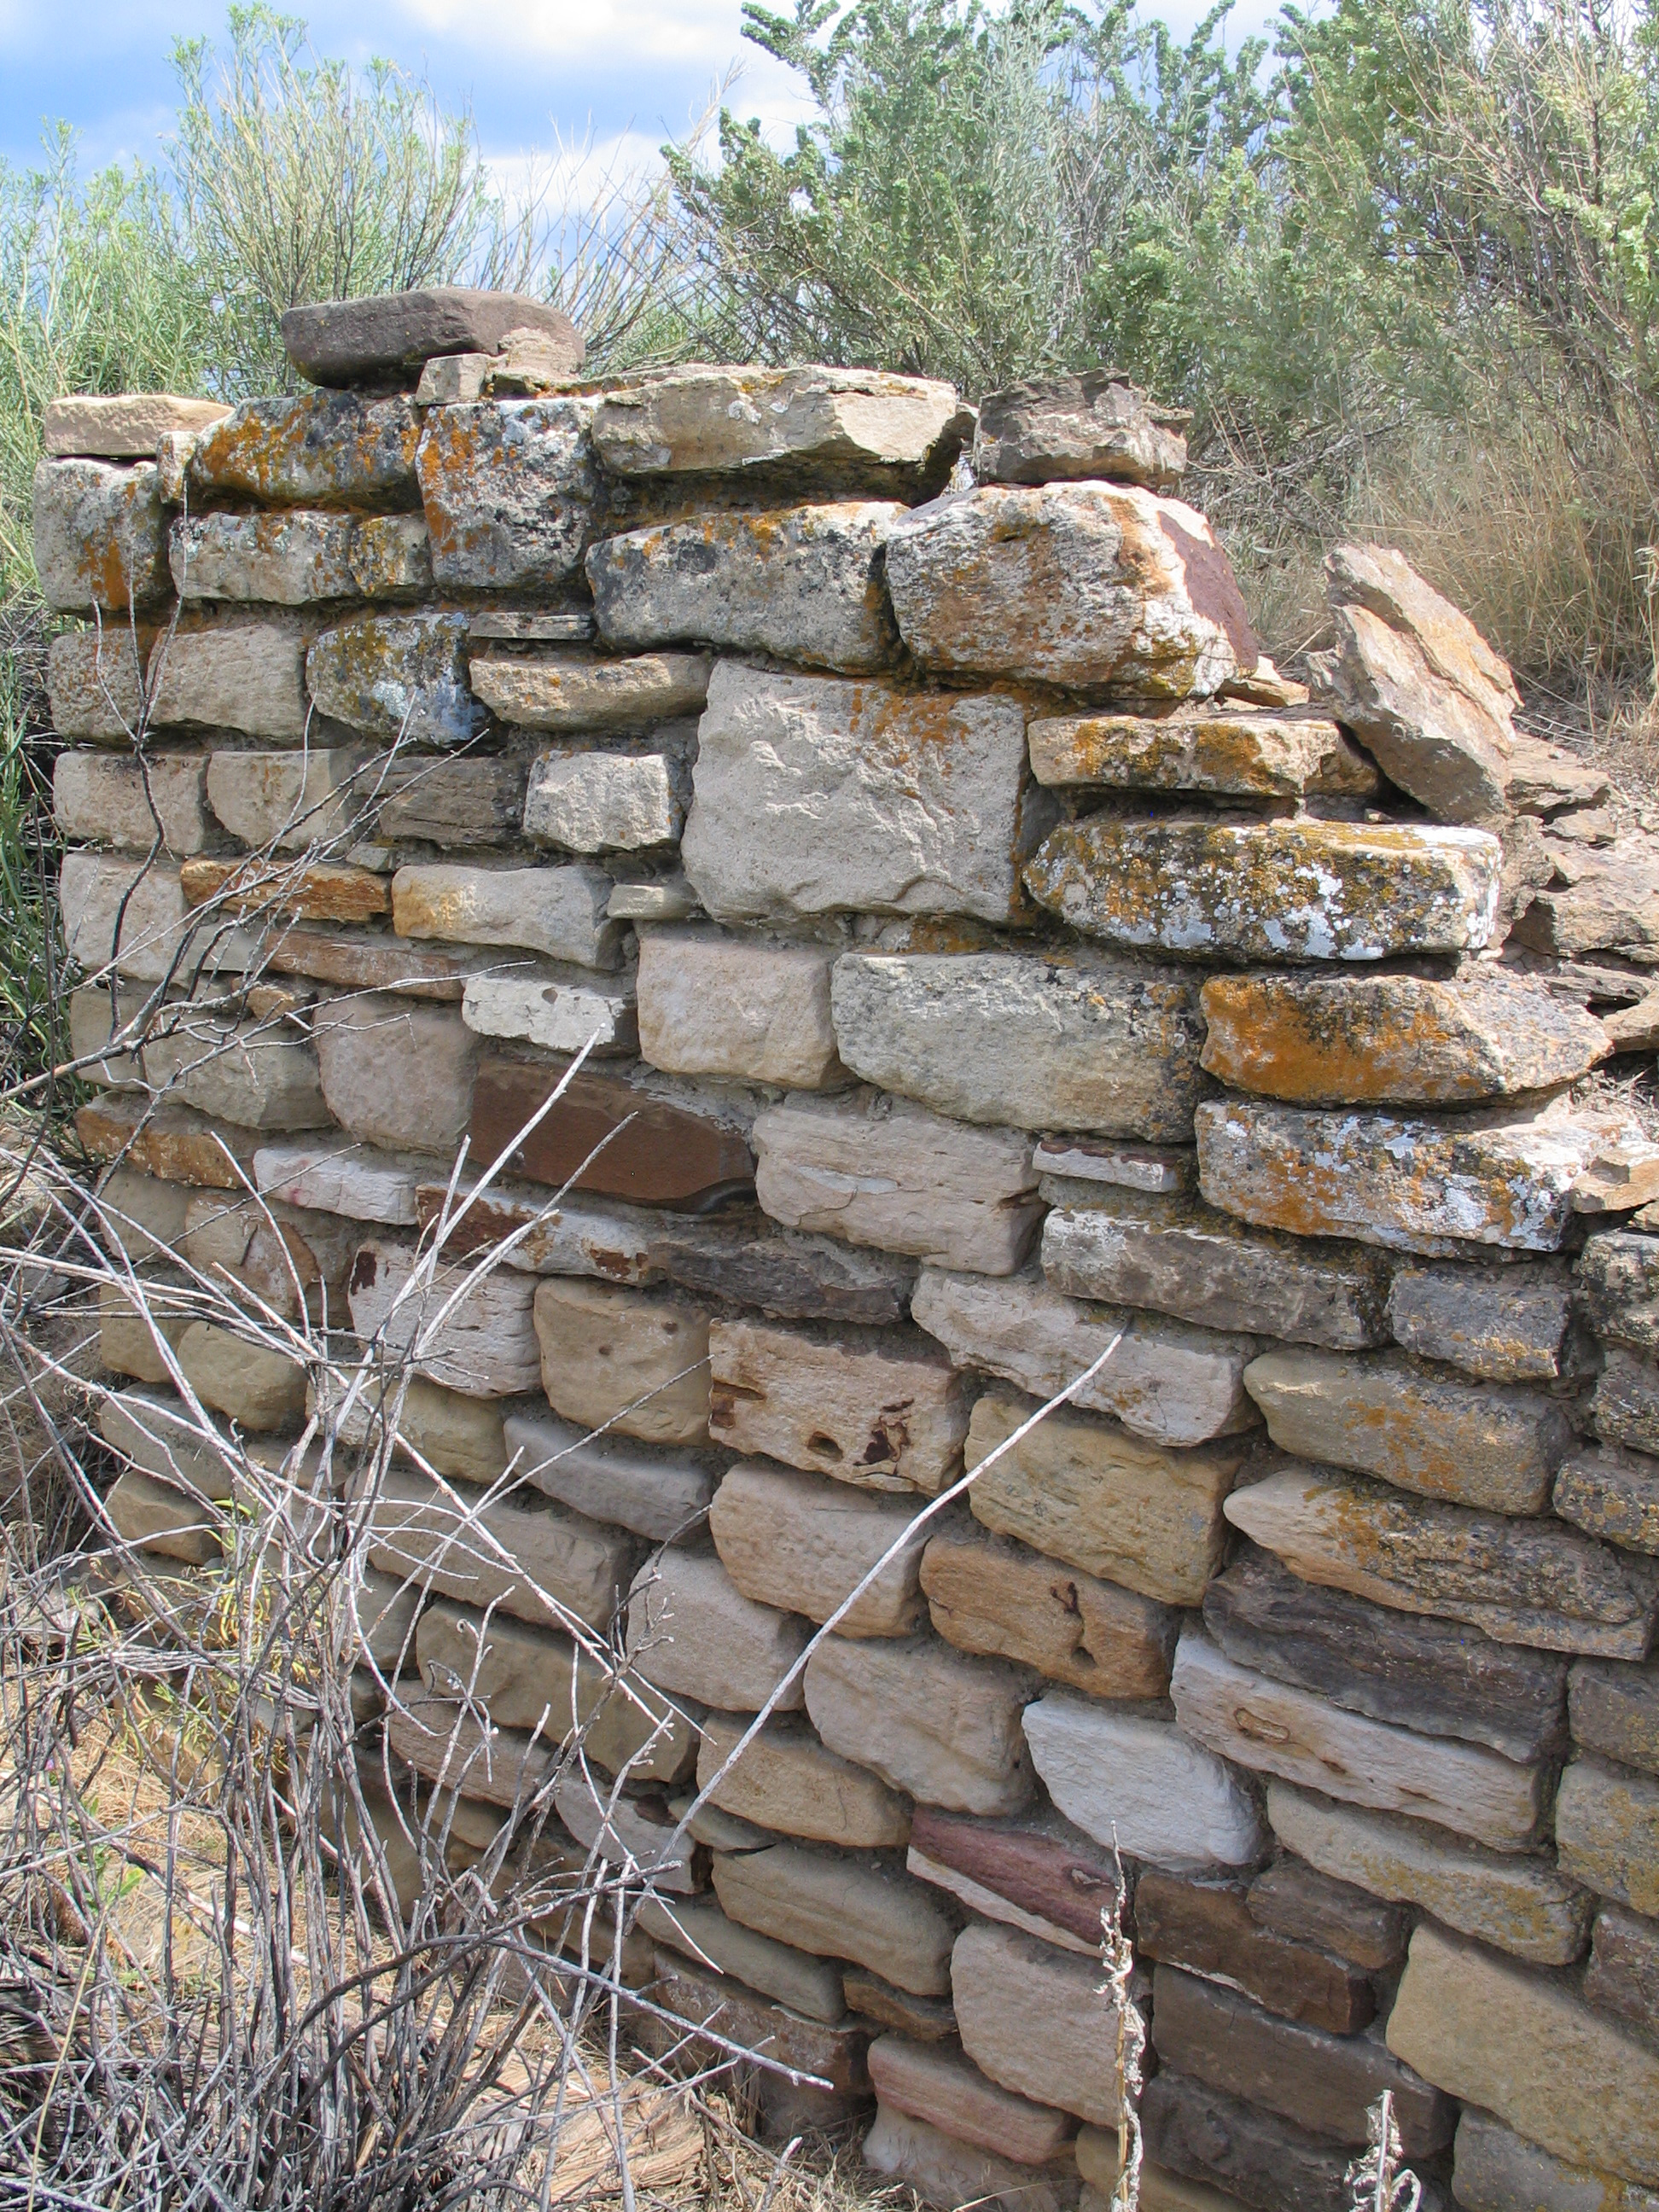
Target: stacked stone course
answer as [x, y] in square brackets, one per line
[985, 956]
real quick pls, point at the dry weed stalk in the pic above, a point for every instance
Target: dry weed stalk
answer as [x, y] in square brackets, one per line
[1378, 2181]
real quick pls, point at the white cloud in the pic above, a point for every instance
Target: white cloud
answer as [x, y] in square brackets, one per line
[669, 34]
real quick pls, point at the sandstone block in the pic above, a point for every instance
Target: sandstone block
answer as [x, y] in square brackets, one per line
[316, 449]
[291, 557]
[558, 1015]
[657, 1494]
[943, 1727]
[923, 2020]
[1606, 1831]
[715, 1005]
[1291, 1900]
[579, 694]
[1082, 585]
[1158, 1170]
[945, 2091]
[147, 1214]
[458, 804]
[743, 1256]
[885, 1172]
[600, 802]
[508, 488]
[630, 1833]
[456, 1435]
[166, 1141]
[338, 1178]
[359, 960]
[1090, 1493]
[943, 2171]
[1618, 1283]
[816, 795]
[137, 1340]
[1624, 1408]
[612, 1244]
[247, 1074]
[692, 1632]
[396, 1075]
[399, 678]
[790, 1783]
[289, 800]
[157, 1517]
[1498, 2169]
[801, 582]
[804, 1543]
[297, 1263]
[559, 912]
[634, 1361]
[1522, 1905]
[810, 1988]
[448, 1745]
[1094, 424]
[247, 676]
[1521, 1581]
[882, 1414]
[1613, 1494]
[666, 1154]
[259, 1387]
[1128, 1779]
[1383, 1040]
[95, 683]
[346, 342]
[846, 423]
[1209, 1930]
[1519, 2044]
[840, 1908]
[1068, 1041]
[100, 536]
[273, 893]
[103, 801]
[1607, 904]
[122, 426]
[1303, 890]
[471, 1336]
[101, 895]
[1502, 1325]
[1037, 1873]
[988, 1593]
[1614, 1710]
[1623, 1974]
[1257, 2158]
[1037, 2021]
[1166, 1382]
[1226, 749]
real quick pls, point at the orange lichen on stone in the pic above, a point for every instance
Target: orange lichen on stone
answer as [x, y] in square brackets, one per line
[326, 891]
[1218, 749]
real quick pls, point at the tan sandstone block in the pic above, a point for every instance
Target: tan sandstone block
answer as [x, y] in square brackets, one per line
[258, 1387]
[1037, 2021]
[1606, 1832]
[946, 2172]
[990, 1594]
[803, 1542]
[397, 1075]
[944, 2089]
[108, 801]
[637, 1361]
[840, 1907]
[712, 1005]
[557, 911]
[945, 1728]
[246, 676]
[124, 425]
[578, 692]
[789, 1781]
[699, 1930]
[483, 1344]
[1220, 749]
[693, 1633]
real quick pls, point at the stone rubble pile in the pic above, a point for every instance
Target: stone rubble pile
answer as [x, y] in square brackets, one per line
[985, 956]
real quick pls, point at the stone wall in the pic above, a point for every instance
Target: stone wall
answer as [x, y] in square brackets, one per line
[994, 973]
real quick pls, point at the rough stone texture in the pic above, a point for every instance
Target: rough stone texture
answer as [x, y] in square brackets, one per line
[318, 449]
[100, 536]
[396, 1075]
[456, 1435]
[1613, 1494]
[1522, 1581]
[249, 675]
[816, 795]
[1607, 1832]
[1258, 2159]
[290, 800]
[631, 1361]
[1208, 1928]
[557, 1015]
[1166, 1382]
[1124, 1778]
[249, 1074]
[1623, 1974]
[742, 1255]
[840, 421]
[1303, 890]
[1503, 1325]
[788, 1782]
[109, 802]
[166, 1141]
[1087, 1491]
[339, 1177]
[577, 1237]
[485, 1347]
[456, 804]
[1155, 1170]
[1067, 1041]
[657, 1495]
[666, 1155]
[596, 802]
[294, 556]
[354, 960]
[268, 894]
[924, 2020]
[886, 1172]
[259, 1387]
[1290, 1899]
[95, 683]
[122, 426]
[633, 1832]
[157, 1518]
[1383, 1040]
[1519, 2044]
[1618, 1283]
[692, 1632]
[1498, 2170]
[1607, 904]
[881, 1414]
[714, 1006]
[1197, 1265]
[557, 911]
[1037, 2021]
[941, 1727]
[1036, 1873]
[943, 2089]
[577, 694]
[1614, 1710]
[946, 2172]
[1226, 749]
[508, 487]
[1625, 1404]
[839, 1907]
[1094, 424]
[804, 1543]
[346, 342]
[991, 1595]
[1279, 1729]
[1503, 1176]
[100, 895]
[1521, 1905]
[400, 678]
[834, 2053]
[1088, 585]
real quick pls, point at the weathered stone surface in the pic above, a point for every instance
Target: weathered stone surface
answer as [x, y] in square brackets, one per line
[357, 960]
[139, 1340]
[447, 1744]
[801, 582]
[802, 1543]
[317, 449]
[458, 804]
[555, 1013]
[989, 1594]
[1070, 1040]
[293, 555]
[1278, 1729]
[1303, 890]
[667, 1154]
[557, 911]
[1038, 1874]
[327, 891]
[600, 802]
[95, 682]
[946, 2172]
[1124, 1778]
[1606, 1832]
[815, 795]
[575, 1237]
[103, 801]
[147, 1214]
[508, 488]
[947, 2092]
[1618, 1285]
[1325, 2082]
[657, 1494]
[456, 1435]
[1524, 1905]
[1503, 1325]
[100, 536]
[1089, 1492]
[1623, 1974]
[289, 800]
[835, 2054]
[250, 1073]
[346, 342]
[1432, 1675]
[1522, 2046]
[1224, 750]
[883, 1414]
[396, 1075]
[1257, 2158]
[633, 1361]
[928, 1720]
[740, 1254]
[841, 423]
[1503, 1176]
[1625, 1404]
[1522, 1581]
[633, 1832]
[401, 678]
[1613, 1494]
[1607, 904]
[247, 676]
[1092, 425]
[166, 1141]
[579, 694]
[923, 2020]
[717, 1006]
[341, 1178]
[840, 1908]
[1082, 585]
[788, 1782]
[1197, 1265]
[100, 893]
[1614, 1710]
[1327, 1040]
[1498, 2170]
[1158, 1171]
[692, 1632]
[159, 1517]
[484, 1346]
[1169, 1382]
[886, 1172]
[539, 1564]
[1290, 1899]
[295, 1262]
[1037, 2021]
[697, 1928]
[122, 426]
[1208, 1928]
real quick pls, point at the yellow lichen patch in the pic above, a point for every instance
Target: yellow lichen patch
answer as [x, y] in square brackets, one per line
[328, 891]
[1222, 749]
[316, 449]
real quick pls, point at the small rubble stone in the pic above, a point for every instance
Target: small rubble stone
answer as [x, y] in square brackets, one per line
[692, 1632]
[456, 804]
[291, 557]
[1139, 1784]
[1624, 1406]
[714, 1006]
[1208, 1928]
[123, 426]
[557, 911]
[1613, 1494]
[1037, 2021]
[1092, 425]
[635, 1362]
[598, 802]
[1618, 1285]
[1614, 1710]
[1158, 1171]
[399, 678]
[943, 1727]
[1606, 1831]
[1501, 1325]
[660, 1495]
[839, 1907]
[508, 486]
[848, 423]
[289, 800]
[395, 1075]
[100, 536]
[577, 694]
[349, 342]
[665, 1155]
[249, 675]
[1623, 1974]
[484, 1346]
[1498, 2169]
[1227, 750]
[922, 2019]
[943, 2089]
[992, 1594]
[95, 683]
[103, 801]
[559, 1015]
[1033, 1871]
[786, 1780]
[316, 449]
[804, 1543]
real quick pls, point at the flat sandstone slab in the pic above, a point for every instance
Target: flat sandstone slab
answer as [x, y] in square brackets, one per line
[1606, 1831]
[1127, 1779]
[692, 1632]
[803, 1544]
[1226, 749]
[721, 421]
[790, 1783]
[603, 1135]
[717, 1006]
[1037, 2021]
[943, 1727]
[559, 912]
[578, 693]
[840, 1907]
[125, 426]
[346, 342]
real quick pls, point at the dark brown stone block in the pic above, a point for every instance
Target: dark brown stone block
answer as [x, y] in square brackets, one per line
[1613, 1494]
[1614, 1708]
[1263, 2160]
[657, 1154]
[790, 1275]
[1623, 1974]
[1210, 1929]
[371, 960]
[705, 1999]
[1409, 1669]
[924, 2019]
[386, 338]
[1292, 1899]
[458, 804]
[1045, 1868]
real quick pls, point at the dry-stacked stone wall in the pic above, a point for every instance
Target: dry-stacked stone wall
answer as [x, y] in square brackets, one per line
[987, 959]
